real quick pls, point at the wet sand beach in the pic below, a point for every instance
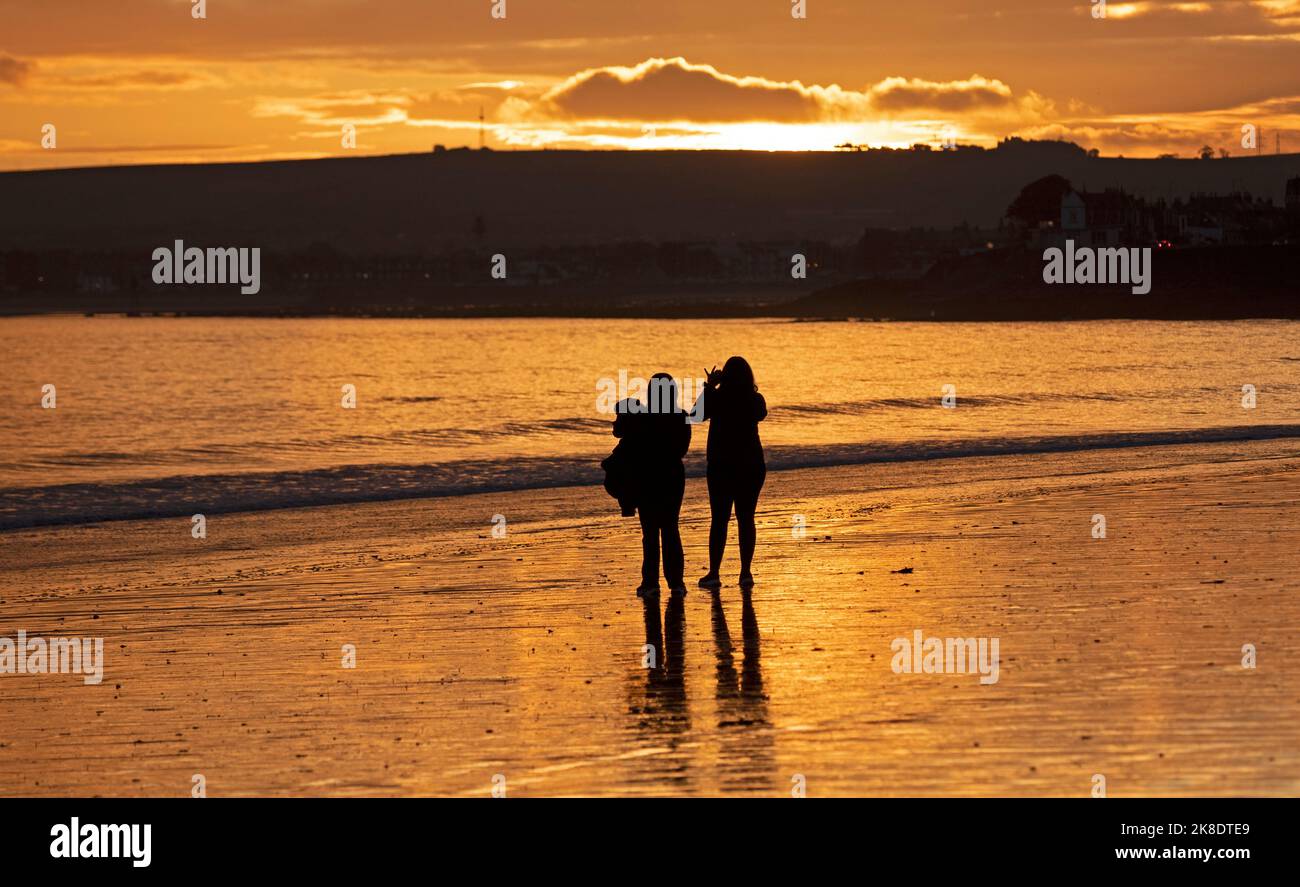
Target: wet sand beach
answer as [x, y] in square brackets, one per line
[523, 658]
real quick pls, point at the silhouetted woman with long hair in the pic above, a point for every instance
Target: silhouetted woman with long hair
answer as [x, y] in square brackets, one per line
[659, 436]
[732, 406]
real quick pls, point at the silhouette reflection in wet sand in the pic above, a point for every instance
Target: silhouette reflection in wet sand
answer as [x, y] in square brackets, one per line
[662, 718]
[746, 756]
[739, 749]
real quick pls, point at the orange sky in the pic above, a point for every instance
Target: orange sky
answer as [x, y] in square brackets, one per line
[143, 81]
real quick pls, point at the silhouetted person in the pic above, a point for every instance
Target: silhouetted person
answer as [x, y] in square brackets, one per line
[732, 406]
[658, 437]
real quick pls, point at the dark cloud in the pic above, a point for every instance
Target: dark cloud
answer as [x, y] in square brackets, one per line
[159, 79]
[14, 70]
[977, 93]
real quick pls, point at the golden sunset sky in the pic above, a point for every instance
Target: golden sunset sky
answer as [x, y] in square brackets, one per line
[143, 81]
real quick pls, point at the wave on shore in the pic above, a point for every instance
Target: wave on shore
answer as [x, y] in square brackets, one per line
[184, 495]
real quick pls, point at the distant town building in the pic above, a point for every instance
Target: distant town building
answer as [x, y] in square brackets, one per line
[1115, 218]
[1108, 218]
[1073, 213]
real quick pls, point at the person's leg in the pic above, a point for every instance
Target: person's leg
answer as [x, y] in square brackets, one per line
[649, 548]
[720, 511]
[674, 559]
[746, 505]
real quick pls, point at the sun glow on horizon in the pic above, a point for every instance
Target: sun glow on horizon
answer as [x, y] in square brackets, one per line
[757, 136]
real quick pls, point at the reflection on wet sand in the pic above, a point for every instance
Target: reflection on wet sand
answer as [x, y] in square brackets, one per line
[525, 656]
[746, 755]
[670, 752]
[662, 717]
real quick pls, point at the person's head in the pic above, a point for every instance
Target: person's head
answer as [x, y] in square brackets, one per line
[662, 396]
[737, 374]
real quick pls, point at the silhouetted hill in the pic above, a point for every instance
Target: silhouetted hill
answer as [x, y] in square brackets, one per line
[425, 203]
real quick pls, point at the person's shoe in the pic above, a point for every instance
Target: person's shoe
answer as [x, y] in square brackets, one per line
[647, 591]
[710, 580]
[747, 580]
[678, 588]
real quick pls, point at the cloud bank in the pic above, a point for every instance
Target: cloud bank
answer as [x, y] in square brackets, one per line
[675, 90]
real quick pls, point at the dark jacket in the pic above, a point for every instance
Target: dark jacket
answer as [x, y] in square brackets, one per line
[733, 419]
[646, 466]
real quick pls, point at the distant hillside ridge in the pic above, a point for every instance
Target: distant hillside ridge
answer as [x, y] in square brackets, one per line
[423, 204]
